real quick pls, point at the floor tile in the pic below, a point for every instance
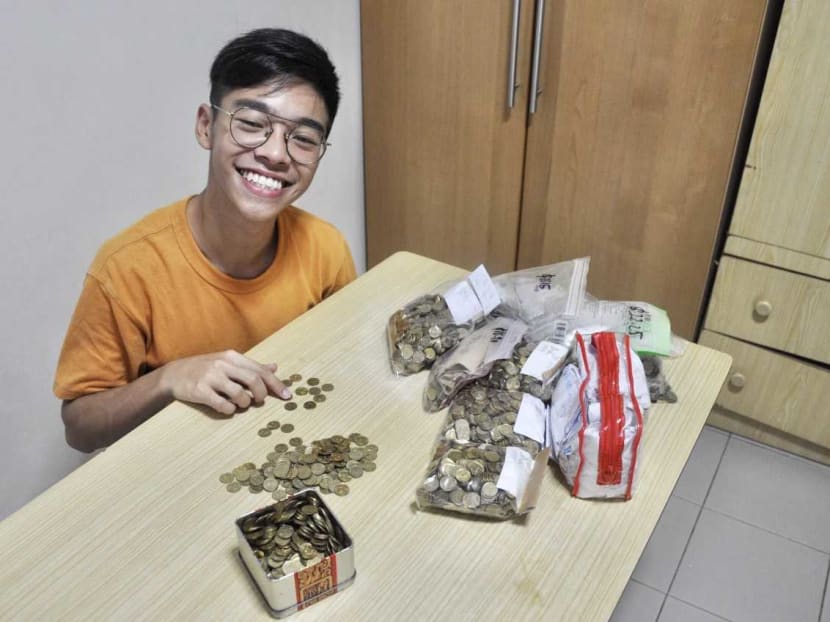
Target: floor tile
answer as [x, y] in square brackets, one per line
[638, 603]
[700, 468]
[782, 493]
[825, 613]
[678, 611]
[740, 572]
[662, 554]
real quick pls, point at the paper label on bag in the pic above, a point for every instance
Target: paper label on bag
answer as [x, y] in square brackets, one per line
[484, 288]
[516, 471]
[463, 303]
[530, 421]
[544, 360]
[504, 336]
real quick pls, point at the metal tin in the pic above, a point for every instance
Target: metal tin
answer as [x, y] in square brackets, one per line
[298, 590]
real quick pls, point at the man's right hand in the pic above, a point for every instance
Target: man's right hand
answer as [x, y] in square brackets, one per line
[224, 381]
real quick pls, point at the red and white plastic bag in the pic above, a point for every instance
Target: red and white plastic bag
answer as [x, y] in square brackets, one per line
[598, 409]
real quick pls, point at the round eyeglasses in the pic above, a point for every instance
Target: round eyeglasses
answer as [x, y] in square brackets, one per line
[251, 128]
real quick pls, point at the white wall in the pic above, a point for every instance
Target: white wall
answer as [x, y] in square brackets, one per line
[96, 122]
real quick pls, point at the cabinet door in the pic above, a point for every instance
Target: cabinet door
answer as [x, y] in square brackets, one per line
[785, 189]
[630, 150]
[443, 153]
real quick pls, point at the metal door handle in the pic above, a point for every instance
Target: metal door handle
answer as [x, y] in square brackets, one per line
[512, 85]
[537, 54]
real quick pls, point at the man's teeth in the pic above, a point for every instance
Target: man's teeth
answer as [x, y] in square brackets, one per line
[261, 180]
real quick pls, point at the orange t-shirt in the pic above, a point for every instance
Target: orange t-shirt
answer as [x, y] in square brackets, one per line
[151, 297]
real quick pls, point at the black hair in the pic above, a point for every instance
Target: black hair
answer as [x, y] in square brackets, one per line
[276, 57]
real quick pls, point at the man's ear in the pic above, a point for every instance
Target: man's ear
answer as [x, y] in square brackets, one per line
[204, 126]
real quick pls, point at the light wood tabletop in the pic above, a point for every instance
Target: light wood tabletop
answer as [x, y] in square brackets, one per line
[145, 530]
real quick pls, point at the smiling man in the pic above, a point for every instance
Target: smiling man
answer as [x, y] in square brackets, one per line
[169, 304]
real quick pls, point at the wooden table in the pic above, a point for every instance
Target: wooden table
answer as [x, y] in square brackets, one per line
[145, 530]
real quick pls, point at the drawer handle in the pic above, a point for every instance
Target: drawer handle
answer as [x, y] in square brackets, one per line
[737, 380]
[763, 308]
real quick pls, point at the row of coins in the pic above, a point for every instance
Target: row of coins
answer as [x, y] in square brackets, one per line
[485, 415]
[462, 478]
[314, 393]
[506, 374]
[328, 464]
[292, 535]
[420, 332]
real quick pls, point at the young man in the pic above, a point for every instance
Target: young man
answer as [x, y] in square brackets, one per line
[168, 305]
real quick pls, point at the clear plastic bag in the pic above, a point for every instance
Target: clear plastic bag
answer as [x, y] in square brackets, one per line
[481, 414]
[548, 290]
[435, 323]
[472, 359]
[479, 479]
[531, 368]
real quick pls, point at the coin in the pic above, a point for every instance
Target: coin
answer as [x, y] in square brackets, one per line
[341, 490]
[295, 377]
[274, 425]
[327, 387]
[226, 478]
[264, 432]
[234, 487]
[290, 405]
[319, 398]
[310, 405]
[313, 382]
[314, 391]
[287, 428]
[301, 391]
[295, 441]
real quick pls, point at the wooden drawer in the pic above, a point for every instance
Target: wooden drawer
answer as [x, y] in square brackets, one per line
[771, 307]
[781, 392]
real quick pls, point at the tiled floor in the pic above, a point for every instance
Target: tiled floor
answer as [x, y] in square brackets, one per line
[744, 536]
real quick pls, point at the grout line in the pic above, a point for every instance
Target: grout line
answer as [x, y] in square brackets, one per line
[770, 532]
[694, 527]
[824, 602]
[699, 608]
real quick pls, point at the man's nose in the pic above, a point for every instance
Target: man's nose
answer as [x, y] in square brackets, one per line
[275, 149]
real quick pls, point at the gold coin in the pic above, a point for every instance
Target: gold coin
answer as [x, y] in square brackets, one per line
[288, 428]
[327, 387]
[310, 405]
[313, 382]
[290, 405]
[226, 478]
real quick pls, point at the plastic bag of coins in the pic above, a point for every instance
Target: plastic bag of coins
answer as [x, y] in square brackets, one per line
[502, 418]
[472, 359]
[433, 324]
[597, 413]
[531, 368]
[480, 479]
[545, 290]
[296, 552]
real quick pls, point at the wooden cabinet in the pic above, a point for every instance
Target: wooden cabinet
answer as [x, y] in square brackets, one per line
[626, 157]
[770, 306]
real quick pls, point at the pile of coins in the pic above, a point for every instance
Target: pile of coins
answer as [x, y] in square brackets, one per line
[294, 534]
[328, 464]
[484, 415]
[506, 374]
[312, 394]
[462, 478]
[420, 332]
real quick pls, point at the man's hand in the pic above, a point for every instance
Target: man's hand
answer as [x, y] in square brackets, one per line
[224, 381]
